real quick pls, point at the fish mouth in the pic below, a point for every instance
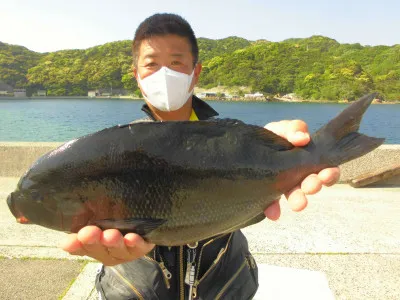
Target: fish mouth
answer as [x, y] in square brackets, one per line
[18, 216]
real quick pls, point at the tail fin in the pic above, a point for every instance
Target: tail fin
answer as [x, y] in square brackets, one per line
[339, 140]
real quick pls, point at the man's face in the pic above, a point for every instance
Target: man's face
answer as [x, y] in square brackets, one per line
[170, 51]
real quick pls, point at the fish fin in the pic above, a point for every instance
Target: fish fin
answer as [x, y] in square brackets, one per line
[253, 220]
[140, 226]
[228, 121]
[352, 146]
[258, 218]
[265, 136]
[338, 141]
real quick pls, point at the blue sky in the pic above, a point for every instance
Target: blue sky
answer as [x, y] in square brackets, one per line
[49, 25]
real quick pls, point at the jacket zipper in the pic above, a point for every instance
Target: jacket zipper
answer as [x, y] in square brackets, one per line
[220, 254]
[252, 262]
[181, 282]
[206, 244]
[166, 273]
[135, 290]
[222, 291]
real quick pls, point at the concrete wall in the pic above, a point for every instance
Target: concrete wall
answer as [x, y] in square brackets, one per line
[381, 158]
[16, 157]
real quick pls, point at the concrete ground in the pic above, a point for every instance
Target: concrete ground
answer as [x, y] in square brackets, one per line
[29, 278]
[345, 245]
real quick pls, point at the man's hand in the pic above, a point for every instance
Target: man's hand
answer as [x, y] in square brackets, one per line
[296, 132]
[108, 247]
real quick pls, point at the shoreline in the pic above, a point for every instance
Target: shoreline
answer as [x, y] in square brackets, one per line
[274, 100]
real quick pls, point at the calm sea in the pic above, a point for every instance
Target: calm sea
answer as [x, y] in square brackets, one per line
[64, 119]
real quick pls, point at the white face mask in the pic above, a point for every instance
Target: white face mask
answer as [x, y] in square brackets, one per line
[166, 89]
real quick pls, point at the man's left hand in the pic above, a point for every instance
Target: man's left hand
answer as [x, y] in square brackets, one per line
[296, 132]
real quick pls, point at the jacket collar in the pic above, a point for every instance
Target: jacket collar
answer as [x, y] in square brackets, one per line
[201, 108]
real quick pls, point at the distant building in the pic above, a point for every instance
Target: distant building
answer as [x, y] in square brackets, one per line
[254, 96]
[111, 92]
[227, 96]
[5, 89]
[207, 95]
[19, 93]
[42, 93]
[92, 94]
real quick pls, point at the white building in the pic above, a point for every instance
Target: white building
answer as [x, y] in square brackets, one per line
[92, 94]
[19, 93]
[42, 93]
[207, 95]
[257, 95]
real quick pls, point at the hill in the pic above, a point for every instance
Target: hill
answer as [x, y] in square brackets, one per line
[314, 68]
[15, 61]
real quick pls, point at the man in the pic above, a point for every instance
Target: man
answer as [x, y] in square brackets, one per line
[165, 64]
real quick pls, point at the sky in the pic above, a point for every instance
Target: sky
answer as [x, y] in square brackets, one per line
[51, 25]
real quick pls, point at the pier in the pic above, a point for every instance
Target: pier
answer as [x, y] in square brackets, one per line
[344, 245]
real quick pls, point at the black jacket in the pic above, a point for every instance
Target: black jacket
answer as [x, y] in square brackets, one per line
[223, 265]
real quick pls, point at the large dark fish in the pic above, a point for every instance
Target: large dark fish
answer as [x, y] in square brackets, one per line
[176, 183]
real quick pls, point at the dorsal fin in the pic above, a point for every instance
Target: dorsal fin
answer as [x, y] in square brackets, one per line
[263, 135]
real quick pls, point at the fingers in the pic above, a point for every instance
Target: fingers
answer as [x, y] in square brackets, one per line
[295, 131]
[299, 138]
[90, 237]
[113, 242]
[108, 247]
[72, 245]
[136, 245]
[278, 128]
[297, 201]
[296, 198]
[128, 248]
[329, 176]
[311, 185]
[273, 212]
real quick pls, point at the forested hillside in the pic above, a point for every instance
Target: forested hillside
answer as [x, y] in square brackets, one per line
[314, 68]
[15, 61]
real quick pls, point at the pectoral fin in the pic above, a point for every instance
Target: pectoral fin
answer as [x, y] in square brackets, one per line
[253, 220]
[141, 227]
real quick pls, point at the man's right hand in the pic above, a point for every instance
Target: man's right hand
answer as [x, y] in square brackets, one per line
[108, 247]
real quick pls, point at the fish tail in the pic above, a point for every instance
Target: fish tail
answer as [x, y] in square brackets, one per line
[339, 141]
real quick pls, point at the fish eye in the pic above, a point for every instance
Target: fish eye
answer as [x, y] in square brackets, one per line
[36, 196]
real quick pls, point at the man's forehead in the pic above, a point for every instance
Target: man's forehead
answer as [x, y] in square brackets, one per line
[170, 44]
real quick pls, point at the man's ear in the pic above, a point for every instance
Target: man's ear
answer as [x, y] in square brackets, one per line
[135, 73]
[196, 74]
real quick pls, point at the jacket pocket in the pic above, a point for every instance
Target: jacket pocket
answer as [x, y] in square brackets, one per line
[140, 279]
[233, 275]
[244, 282]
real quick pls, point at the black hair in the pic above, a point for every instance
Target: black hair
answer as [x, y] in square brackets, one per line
[163, 24]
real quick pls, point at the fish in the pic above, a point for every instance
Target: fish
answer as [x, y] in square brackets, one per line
[179, 182]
